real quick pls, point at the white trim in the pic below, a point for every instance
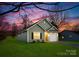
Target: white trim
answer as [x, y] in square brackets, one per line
[28, 39]
[41, 21]
[35, 24]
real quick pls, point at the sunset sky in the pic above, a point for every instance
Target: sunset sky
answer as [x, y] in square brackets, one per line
[35, 14]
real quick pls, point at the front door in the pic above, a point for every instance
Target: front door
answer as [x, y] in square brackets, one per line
[46, 36]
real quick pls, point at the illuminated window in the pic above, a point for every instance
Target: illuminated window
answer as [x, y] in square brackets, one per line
[36, 35]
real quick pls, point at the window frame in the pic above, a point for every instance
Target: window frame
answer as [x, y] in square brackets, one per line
[39, 34]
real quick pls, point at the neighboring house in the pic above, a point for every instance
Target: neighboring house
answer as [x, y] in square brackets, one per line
[42, 30]
[69, 35]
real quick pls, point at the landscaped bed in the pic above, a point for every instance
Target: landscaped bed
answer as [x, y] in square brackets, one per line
[11, 47]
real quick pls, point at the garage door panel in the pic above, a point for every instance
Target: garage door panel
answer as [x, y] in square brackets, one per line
[52, 37]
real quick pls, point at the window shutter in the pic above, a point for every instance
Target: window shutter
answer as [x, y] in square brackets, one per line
[32, 35]
[40, 35]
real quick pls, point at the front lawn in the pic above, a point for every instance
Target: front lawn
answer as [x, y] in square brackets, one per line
[12, 47]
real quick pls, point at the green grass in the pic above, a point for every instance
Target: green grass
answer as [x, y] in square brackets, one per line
[11, 47]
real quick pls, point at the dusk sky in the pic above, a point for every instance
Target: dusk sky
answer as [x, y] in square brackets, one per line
[34, 13]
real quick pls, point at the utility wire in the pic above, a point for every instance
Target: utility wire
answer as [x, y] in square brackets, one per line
[17, 7]
[56, 10]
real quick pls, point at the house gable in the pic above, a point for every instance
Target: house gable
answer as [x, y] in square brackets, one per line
[32, 30]
[52, 29]
[35, 26]
[45, 25]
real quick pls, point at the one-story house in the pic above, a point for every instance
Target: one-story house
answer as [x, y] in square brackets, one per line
[42, 31]
[68, 35]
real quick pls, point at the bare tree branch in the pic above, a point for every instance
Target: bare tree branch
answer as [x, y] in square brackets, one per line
[55, 10]
[35, 4]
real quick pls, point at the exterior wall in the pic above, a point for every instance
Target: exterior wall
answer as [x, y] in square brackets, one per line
[32, 29]
[28, 36]
[22, 36]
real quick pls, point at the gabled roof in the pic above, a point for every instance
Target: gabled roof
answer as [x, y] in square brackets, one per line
[51, 26]
[51, 29]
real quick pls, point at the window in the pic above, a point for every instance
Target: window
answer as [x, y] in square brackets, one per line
[70, 36]
[36, 35]
[62, 37]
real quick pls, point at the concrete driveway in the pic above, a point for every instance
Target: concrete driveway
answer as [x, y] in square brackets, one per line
[69, 44]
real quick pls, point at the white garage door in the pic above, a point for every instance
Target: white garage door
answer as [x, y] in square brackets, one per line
[52, 37]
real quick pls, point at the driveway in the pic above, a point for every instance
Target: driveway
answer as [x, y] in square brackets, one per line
[69, 44]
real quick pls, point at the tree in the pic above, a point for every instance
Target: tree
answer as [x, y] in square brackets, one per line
[58, 18]
[3, 30]
[26, 21]
[76, 28]
[14, 30]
